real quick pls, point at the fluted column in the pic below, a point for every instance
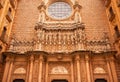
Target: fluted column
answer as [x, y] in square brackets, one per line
[46, 76]
[78, 68]
[109, 70]
[31, 68]
[10, 70]
[72, 73]
[27, 73]
[7, 65]
[113, 70]
[87, 68]
[40, 68]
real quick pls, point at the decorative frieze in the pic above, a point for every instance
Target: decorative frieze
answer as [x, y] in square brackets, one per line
[60, 37]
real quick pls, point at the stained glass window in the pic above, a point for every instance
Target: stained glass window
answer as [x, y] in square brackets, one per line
[59, 10]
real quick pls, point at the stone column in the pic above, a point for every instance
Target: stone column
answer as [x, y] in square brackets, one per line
[113, 69]
[72, 73]
[78, 68]
[46, 76]
[40, 68]
[27, 71]
[10, 70]
[87, 68]
[7, 65]
[109, 70]
[31, 68]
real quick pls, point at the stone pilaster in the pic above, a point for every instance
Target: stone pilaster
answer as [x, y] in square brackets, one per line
[77, 59]
[113, 69]
[109, 70]
[7, 65]
[88, 68]
[10, 69]
[27, 74]
[46, 76]
[40, 68]
[72, 73]
[31, 68]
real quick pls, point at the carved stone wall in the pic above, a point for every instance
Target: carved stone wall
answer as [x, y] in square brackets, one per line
[95, 28]
[42, 49]
[25, 22]
[60, 38]
[73, 67]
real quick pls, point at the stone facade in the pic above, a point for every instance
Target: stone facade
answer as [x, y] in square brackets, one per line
[75, 49]
[78, 66]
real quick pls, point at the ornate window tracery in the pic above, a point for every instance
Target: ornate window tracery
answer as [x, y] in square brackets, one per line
[59, 10]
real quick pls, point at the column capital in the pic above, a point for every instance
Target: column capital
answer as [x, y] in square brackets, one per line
[7, 59]
[31, 58]
[77, 57]
[41, 58]
[87, 58]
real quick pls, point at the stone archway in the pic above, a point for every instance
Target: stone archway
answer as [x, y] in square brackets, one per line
[100, 80]
[59, 80]
[18, 80]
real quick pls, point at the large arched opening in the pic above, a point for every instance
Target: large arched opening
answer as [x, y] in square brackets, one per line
[100, 80]
[19, 80]
[59, 80]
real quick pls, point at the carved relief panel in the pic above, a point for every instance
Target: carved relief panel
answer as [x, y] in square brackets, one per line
[59, 70]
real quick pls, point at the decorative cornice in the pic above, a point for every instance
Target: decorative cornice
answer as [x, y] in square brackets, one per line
[37, 53]
[60, 26]
[44, 53]
[104, 53]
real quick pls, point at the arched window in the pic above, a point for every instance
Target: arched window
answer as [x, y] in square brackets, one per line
[0, 48]
[117, 33]
[2, 37]
[18, 80]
